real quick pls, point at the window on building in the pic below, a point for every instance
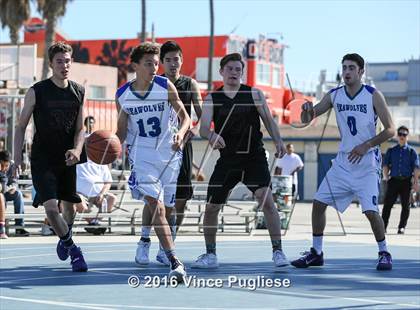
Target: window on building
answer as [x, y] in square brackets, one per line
[202, 68]
[263, 74]
[276, 77]
[97, 91]
[391, 75]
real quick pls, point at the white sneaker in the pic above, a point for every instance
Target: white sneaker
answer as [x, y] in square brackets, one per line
[46, 230]
[142, 253]
[178, 272]
[206, 261]
[280, 259]
[162, 258]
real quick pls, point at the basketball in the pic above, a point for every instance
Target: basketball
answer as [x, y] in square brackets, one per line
[103, 147]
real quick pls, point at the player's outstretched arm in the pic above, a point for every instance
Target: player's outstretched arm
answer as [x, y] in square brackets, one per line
[122, 122]
[268, 120]
[206, 117]
[309, 111]
[196, 98]
[25, 116]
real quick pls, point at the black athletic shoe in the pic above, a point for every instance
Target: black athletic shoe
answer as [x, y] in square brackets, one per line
[309, 259]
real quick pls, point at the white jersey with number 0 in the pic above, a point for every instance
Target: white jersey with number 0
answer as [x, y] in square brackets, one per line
[356, 116]
[356, 120]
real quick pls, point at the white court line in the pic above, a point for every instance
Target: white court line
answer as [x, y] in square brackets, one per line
[54, 303]
[44, 278]
[105, 245]
[106, 306]
[371, 301]
[101, 306]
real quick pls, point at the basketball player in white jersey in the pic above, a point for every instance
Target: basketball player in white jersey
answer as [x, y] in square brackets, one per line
[149, 108]
[171, 58]
[356, 169]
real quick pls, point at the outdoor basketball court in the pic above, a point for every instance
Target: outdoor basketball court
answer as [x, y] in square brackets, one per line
[33, 278]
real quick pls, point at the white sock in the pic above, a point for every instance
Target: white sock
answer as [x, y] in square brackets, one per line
[317, 243]
[145, 231]
[382, 246]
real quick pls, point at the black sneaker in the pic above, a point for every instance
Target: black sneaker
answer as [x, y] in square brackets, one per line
[21, 232]
[401, 231]
[95, 229]
[309, 259]
[78, 263]
[384, 261]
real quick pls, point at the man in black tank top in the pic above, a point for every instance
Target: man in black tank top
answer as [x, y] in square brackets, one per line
[188, 92]
[56, 105]
[236, 110]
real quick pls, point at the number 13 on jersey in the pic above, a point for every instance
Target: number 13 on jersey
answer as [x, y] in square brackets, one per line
[154, 125]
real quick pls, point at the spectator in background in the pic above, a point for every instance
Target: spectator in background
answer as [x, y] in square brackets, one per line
[9, 189]
[93, 185]
[89, 124]
[289, 164]
[401, 171]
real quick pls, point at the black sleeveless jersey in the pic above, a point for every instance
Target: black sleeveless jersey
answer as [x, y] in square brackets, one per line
[55, 114]
[183, 86]
[237, 120]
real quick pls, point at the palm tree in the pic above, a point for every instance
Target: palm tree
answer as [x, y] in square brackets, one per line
[13, 13]
[211, 47]
[51, 11]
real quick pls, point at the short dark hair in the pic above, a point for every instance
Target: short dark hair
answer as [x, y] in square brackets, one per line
[231, 57]
[59, 47]
[288, 145]
[4, 156]
[403, 128]
[144, 48]
[169, 46]
[88, 119]
[356, 58]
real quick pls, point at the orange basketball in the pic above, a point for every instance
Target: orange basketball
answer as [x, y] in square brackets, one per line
[103, 147]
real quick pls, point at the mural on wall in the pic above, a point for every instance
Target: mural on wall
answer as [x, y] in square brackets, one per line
[80, 54]
[116, 54]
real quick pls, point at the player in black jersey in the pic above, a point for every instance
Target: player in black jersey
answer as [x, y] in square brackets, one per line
[236, 110]
[189, 92]
[56, 105]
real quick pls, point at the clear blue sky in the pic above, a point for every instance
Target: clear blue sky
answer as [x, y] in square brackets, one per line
[318, 32]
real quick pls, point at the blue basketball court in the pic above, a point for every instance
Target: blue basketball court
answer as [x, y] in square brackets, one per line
[32, 277]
